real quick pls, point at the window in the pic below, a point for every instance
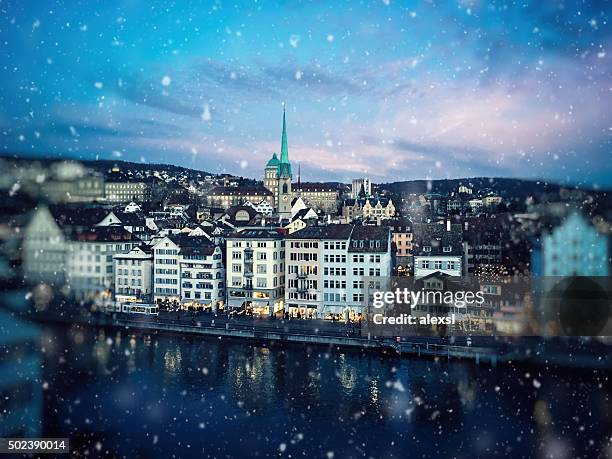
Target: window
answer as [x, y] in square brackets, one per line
[447, 249]
[427, 248]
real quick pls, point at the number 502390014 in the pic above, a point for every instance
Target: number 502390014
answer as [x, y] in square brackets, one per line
[34, 445]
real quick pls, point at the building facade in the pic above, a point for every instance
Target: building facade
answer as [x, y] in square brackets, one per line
[188, 272]
[134, 275]
[89, 261]
[256, 271]
[123, 189]
[574, 248]
[438, 248]
[202, 276]
[403, 239]
[368, 208]
[319, 195]
[229, 196]
[327, 268]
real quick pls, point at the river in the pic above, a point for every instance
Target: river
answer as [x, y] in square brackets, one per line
[140, 395]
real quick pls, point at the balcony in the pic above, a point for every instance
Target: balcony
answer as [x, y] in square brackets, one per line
[302, 275]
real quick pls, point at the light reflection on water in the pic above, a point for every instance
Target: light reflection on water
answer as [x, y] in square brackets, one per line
[152, 395]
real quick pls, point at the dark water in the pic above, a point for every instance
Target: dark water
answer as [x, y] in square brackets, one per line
[137, 395]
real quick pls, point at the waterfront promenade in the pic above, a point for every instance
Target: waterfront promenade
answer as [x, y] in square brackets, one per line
[488, 350]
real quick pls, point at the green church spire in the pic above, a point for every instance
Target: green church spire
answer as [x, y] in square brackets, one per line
[284, 169]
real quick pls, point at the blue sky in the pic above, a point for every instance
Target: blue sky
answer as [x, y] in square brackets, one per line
[393, 90]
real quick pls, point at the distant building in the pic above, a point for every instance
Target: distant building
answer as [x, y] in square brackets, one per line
[361, 185]
[72, 190]
[482, 244]
[437, 204]
[46, 236]
[131, 208]
[122, 188]
[263, 207]
[256, 271]
[228, 196]
[475, 205]
[491, 201]
[89, 261]
[44, 249]
[239, 216]
[462, 189]
[319, 195]
[574, 248]
[368, 208]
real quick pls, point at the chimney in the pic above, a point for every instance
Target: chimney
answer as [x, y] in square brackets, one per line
[466, 224]
[448, 225]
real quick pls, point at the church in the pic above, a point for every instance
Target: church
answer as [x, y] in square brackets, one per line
[277, 177]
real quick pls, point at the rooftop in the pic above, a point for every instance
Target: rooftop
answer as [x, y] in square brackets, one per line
[323, 232]
[257, 233]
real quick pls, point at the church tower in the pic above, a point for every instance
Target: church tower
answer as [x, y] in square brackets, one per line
[284, 176]
[277, 177]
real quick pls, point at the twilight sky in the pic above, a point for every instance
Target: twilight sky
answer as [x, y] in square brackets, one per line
[389, 89]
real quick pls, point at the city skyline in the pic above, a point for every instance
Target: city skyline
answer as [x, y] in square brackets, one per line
[391, 90]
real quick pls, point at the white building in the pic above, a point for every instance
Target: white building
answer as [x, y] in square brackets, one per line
[491, 201]
[256, 271]
[262, 207]
[464, 189]
[476, 205]
[166, 275]
[437, 248]
[369, 256]
[46, 236]
[327, 267]
[303, 293]
[89, 261]
[202, 276]
[134, 275]
[188, 270]
[44, 249]
[131, 208]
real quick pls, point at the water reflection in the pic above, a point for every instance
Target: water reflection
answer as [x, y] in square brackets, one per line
[144, 395]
